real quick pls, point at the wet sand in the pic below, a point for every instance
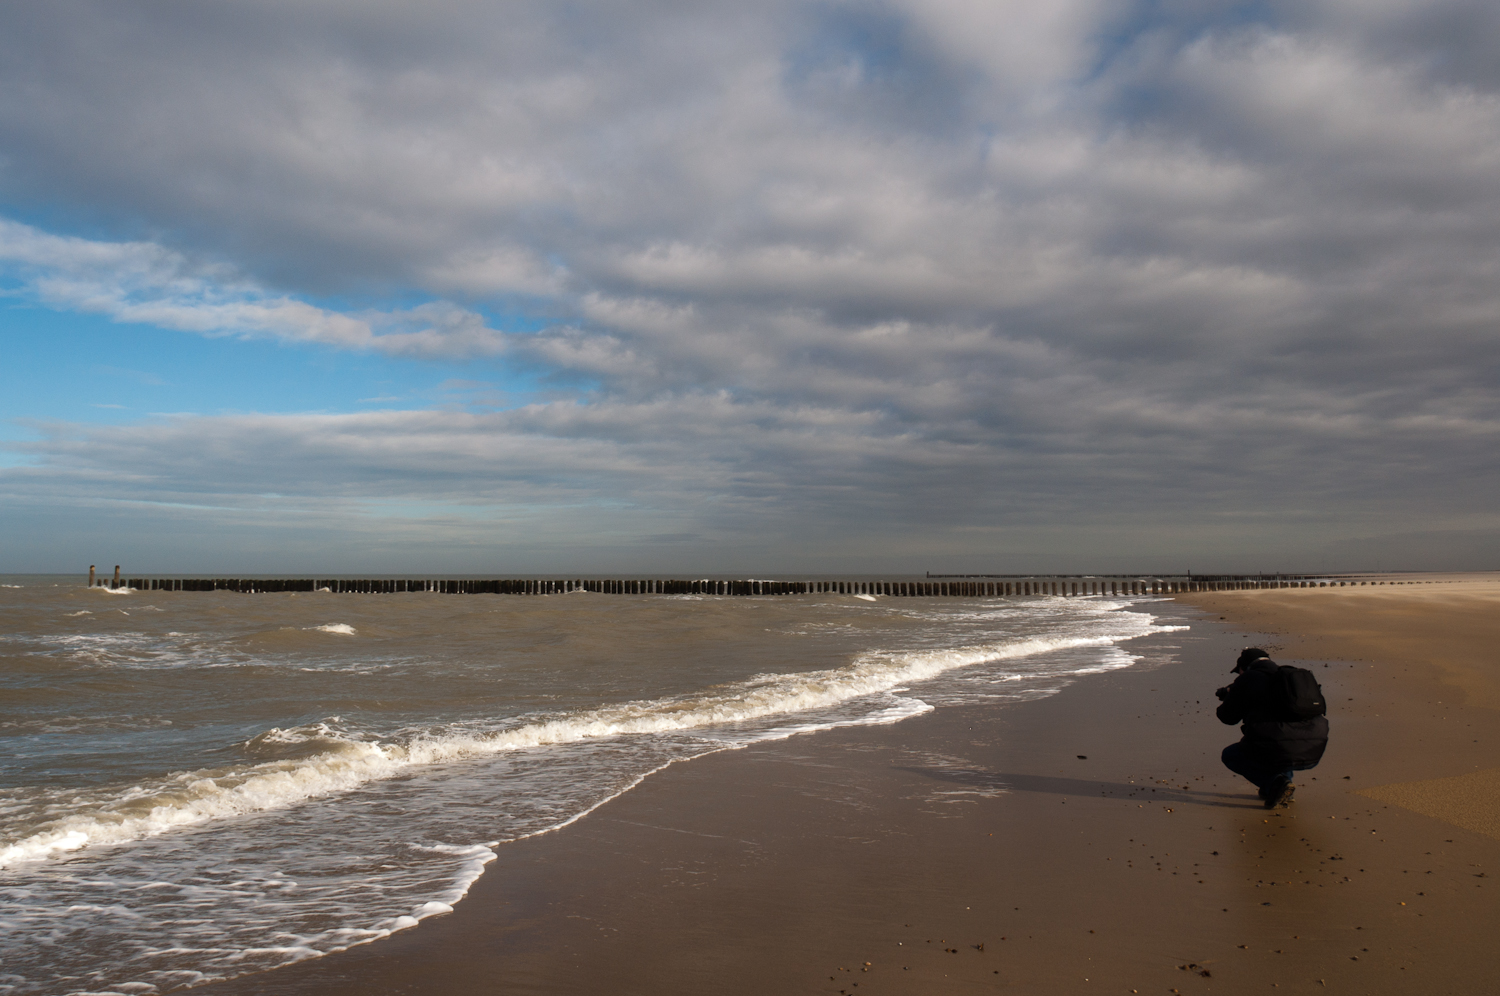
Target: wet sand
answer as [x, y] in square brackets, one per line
[973, 850]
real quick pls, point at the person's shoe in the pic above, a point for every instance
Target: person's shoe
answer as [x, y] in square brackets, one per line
[1280, 794]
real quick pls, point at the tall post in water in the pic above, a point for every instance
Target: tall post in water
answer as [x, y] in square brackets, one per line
[117, 577]
[91, 575]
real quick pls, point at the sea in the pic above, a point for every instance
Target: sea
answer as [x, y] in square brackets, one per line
[200, 785]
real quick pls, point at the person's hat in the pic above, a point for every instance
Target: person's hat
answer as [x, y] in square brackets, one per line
[1248, 655]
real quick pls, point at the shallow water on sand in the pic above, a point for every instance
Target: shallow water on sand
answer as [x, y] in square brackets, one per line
[197, 785]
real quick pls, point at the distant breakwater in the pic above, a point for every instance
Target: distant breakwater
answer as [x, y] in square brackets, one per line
[1056, 586]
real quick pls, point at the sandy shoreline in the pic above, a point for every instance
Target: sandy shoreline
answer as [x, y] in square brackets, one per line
[972, 850]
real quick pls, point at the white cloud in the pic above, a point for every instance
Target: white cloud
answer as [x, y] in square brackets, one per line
[144, 283]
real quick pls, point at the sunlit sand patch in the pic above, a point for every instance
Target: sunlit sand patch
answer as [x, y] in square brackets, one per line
[1469, 801]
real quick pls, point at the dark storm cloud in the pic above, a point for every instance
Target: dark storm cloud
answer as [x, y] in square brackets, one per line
[1182, 277]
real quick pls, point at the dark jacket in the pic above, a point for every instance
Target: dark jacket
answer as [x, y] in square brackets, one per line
[1254, 700]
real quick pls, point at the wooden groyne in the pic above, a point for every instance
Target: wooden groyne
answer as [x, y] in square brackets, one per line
[973, 587]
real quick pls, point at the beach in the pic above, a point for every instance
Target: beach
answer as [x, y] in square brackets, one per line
[206, 785]
[1084, 841]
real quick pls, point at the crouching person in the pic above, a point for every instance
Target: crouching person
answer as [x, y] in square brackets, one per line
[1284, 723]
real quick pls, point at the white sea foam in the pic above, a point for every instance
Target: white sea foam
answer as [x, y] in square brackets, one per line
[194, 797]
[301, 734]
[343, 629]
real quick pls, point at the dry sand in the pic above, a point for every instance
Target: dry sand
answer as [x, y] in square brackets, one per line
[973, 850]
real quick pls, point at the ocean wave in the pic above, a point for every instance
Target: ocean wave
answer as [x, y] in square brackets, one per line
[342, 762]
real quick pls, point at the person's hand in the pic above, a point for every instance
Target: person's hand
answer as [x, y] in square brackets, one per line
[1222, 692]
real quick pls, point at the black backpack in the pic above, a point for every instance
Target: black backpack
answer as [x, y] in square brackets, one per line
[1301, 695]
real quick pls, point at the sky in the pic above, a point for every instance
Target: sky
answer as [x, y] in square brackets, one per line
[818, 287]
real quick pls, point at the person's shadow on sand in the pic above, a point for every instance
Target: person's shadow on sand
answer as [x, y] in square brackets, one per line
[1146, 790]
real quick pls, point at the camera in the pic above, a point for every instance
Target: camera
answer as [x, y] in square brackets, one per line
[1222, 692]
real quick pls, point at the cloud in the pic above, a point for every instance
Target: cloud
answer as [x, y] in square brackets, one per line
[925, 267]
[144, 283]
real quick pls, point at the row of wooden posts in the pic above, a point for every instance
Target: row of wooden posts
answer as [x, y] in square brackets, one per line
[1068, 587]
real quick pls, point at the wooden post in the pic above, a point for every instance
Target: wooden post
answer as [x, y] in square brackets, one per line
[91, 575]
[116, 582]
